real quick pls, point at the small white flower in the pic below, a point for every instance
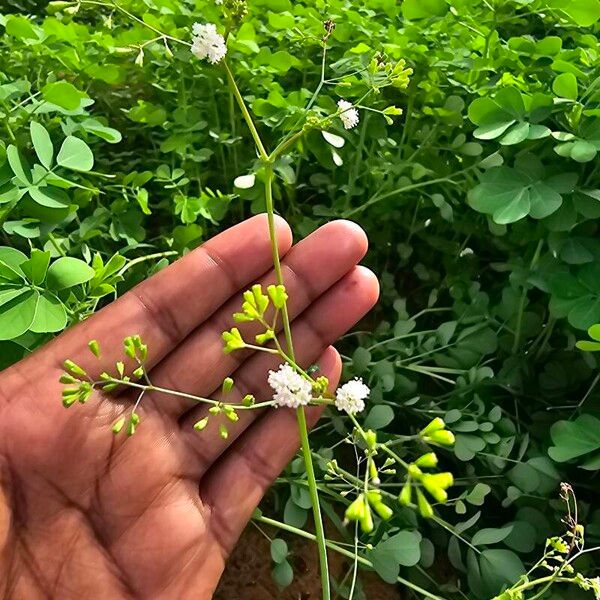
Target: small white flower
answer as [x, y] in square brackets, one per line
[349, 115]
[218, 2]
[291, 389]
[351, 396]
[208, 43]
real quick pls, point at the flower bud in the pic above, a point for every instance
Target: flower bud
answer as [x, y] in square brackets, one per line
[356, 510]
[74, 369]
[263, 338]
[405, 497]
[366, 522]
[223, 432]
[248, 400]
[414, 472]
[233, 340]
[66, 378]
[227, 385]
[370, 439]
[201, 424]
[94, 348]
[436, 425]
[116, 428]
[424, 507]
[443, 438]
[427, 461]
[278, 295]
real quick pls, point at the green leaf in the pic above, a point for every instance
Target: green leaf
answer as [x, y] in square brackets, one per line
[75, 154]
[283, 574]
[50, 197]
[35, 268]
[573, 439]
[16, 315]
[63, 94]
[423, 9]
[565, 86]
[379, 416]
[67, 272]
[499, 568]
[19, 167]
[42, 143]
[50, 315]
[279, 550]
[402, 548]
[484, 536]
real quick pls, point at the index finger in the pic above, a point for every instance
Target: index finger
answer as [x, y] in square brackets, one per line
[164, 309]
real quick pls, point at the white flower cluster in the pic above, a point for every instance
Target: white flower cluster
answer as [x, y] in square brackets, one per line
[291, 389]
[349, 115]
[351, 396]
[208, 43]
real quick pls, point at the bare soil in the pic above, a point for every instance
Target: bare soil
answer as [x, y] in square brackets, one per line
[248, 573]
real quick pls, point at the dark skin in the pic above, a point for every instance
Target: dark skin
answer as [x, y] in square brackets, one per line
[85, 514]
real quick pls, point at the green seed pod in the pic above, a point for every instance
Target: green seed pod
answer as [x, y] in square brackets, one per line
[436, 425]
[94, 348]
[201, 424]
[227, 385]
[427, 461]
[424, 507]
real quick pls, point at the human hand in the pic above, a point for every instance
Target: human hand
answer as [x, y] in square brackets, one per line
[85, 514]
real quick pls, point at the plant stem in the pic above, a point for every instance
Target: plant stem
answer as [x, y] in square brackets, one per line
[340, 550]
[300, 414]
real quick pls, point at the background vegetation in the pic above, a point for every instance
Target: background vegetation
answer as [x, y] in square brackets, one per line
[482, 202]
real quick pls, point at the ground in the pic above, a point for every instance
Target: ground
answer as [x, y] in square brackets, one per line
[248, 573]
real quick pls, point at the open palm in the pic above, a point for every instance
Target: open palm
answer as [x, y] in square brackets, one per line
[85, 514]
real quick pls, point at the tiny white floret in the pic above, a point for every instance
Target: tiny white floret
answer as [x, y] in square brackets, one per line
[351, 396]
[291, 389]
[349, 114]
[207, 43]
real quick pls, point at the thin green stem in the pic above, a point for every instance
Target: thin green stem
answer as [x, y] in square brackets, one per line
[344, 552]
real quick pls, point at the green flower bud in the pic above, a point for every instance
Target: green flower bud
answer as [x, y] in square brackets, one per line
[66, 378]
[227, 385]
[94, 348]
[356, 510]
[427, 461]
[139, 372]
[248, 400]
[443, 438]
[373, 474]
[414, 471]
[278, 295]
[214, 410]
[405, 497]
[116, 428]
[74, 369]
[436, 425]
[109, 387]
[383, 510]
[424, 507]
[233, 340]
[231, 414]
[129, 347]
[223, 431]
[366, 522]
[68, 401]
[120, 369]
[201, 424]
[263, 338]
[240, 317]
[370, 439]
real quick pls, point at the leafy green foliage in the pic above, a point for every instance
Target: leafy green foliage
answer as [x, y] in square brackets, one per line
[482, 202]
